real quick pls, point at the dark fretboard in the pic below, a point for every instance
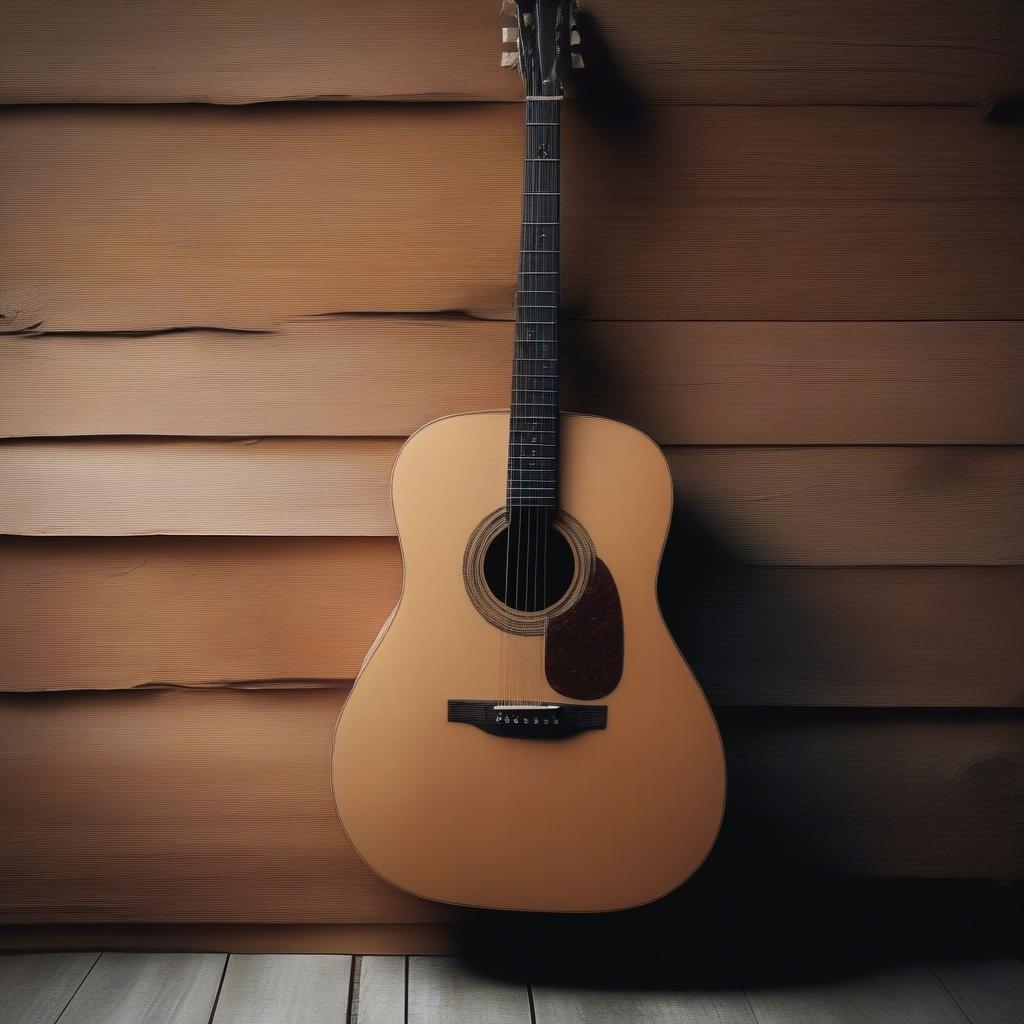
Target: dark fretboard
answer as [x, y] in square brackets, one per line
[533, 431]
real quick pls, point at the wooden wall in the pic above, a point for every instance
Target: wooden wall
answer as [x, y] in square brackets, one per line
[793, 257]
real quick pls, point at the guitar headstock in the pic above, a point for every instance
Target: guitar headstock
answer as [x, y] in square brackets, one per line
[541, 39]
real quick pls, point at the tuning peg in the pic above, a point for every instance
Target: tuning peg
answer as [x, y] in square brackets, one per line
[509, 35]
[510, 60]
[574, 37]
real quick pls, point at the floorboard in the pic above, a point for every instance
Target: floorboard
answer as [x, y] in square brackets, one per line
[148, 988]
[35, 987]
[989, 992]
[381, 990]
[276, 989]
[442, 991]
[211, 988]
[568, 1006]
[909, 995]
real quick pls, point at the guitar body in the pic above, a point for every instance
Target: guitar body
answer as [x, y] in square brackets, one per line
[610, 817]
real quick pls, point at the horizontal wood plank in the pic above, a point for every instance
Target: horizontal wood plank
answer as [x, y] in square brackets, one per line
[876, 793]
[753, 52]
[858, 506]
[180, 807]
[791, 506]
[134, 220]
[198, 487]
[681, 382]
[143, 807]
[111, 613]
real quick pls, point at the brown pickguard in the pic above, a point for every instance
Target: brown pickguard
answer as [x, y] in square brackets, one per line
[583, 646]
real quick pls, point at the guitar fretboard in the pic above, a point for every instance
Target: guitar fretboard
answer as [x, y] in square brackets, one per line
[533, 430]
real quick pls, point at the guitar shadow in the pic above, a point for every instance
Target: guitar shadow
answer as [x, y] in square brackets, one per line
[740, 928]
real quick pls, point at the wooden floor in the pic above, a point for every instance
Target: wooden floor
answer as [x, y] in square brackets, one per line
[214, 988]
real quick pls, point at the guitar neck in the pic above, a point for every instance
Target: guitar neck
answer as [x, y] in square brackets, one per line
[533, 428]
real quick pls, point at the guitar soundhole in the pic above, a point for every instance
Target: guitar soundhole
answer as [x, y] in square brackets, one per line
[529, 566]
[547, 564]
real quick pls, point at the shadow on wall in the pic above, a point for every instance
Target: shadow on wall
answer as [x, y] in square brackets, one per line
[725, 617]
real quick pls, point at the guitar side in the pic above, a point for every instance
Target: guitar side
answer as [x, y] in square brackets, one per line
[602, 820]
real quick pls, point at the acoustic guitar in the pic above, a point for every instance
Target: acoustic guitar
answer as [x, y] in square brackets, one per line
[524, 733]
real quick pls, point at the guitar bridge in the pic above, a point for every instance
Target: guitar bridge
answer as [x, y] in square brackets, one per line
[531, 721]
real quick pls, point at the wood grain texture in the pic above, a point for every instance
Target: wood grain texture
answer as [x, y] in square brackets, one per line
[596, 1006]
[851, 636]
[378, 939]
[988, 991]
[681, 382]
[199, 487]
[381, 990]
[110, 613]
[159, 988]
[151, 807]
[904, 996]
[228, 52]
[859, 506]
[788, 505]
[82, 613]
[131, 808]
[284, 989]
[35, 987]
[443, 991]
[889, 218]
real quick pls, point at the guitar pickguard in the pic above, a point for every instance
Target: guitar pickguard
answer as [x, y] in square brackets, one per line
[583, 647]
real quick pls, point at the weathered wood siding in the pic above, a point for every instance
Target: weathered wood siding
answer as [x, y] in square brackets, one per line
[760, 51]
[222, 310]
[180, 805]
